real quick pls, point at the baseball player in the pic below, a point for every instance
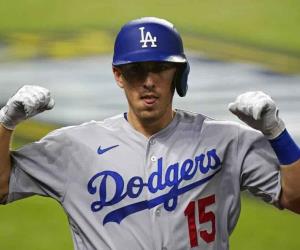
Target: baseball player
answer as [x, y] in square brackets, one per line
[153, 177]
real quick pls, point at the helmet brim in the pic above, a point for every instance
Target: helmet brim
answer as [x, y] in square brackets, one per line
[149, 56]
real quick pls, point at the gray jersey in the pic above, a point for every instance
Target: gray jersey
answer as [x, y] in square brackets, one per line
[178, 189]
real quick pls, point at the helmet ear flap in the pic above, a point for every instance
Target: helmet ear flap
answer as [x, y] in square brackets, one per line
[181, 78]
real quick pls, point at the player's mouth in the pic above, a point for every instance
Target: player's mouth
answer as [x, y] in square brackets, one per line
[149, 99]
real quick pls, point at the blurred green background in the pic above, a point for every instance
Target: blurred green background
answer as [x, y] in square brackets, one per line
[265, 32]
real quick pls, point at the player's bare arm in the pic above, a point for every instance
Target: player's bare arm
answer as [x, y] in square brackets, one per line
[5, 136]
[259, 111]
[290, 197]
[26, 103]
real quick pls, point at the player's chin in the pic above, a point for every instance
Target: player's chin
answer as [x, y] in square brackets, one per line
[151, 111]
[149, 114]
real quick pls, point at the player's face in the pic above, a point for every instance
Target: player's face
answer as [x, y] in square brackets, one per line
[149, 90]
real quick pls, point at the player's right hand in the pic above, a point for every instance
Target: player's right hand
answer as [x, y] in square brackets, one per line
[27, 102]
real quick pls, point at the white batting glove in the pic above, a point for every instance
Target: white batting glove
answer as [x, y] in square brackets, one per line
[259, 111]
[27, 102]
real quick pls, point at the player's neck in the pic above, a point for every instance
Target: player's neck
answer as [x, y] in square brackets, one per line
[149, 127]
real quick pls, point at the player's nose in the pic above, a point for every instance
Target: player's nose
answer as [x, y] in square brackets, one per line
[150, 80]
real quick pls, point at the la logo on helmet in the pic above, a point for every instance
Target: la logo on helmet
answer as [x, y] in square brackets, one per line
[147, 39]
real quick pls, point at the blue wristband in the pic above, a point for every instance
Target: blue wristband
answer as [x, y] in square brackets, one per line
[285, 148]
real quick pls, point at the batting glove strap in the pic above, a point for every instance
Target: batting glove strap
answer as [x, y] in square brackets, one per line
[287, 151]
[275, 131]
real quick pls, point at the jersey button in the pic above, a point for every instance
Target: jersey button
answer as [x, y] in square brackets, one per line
[157, 212]
[153, 158]
[152, 142]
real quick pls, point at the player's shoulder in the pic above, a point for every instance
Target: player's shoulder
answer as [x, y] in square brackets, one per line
[193, 117]
[208, 123]
[110, 123]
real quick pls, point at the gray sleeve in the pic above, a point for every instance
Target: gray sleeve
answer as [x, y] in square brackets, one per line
[259, 166]
[41, 168]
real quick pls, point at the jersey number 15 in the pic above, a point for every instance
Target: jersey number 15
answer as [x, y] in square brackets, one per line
[207, 236]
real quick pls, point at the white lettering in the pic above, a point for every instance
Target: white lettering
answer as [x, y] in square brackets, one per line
[145, 39]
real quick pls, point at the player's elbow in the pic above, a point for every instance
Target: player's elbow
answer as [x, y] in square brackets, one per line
[291, 203]
[3, 198]
[4, 188]
[3, 195]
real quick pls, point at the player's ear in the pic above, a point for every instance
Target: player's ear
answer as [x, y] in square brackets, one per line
[118, 76]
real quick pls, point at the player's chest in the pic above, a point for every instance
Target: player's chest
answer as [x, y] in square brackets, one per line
[125, 179]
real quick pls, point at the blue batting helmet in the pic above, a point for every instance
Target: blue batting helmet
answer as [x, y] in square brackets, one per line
[152, 39]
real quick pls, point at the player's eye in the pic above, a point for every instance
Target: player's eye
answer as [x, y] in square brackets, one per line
[133, 72]
[138, 71]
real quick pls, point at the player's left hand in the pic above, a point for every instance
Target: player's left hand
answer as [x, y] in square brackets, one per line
[259, 111]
